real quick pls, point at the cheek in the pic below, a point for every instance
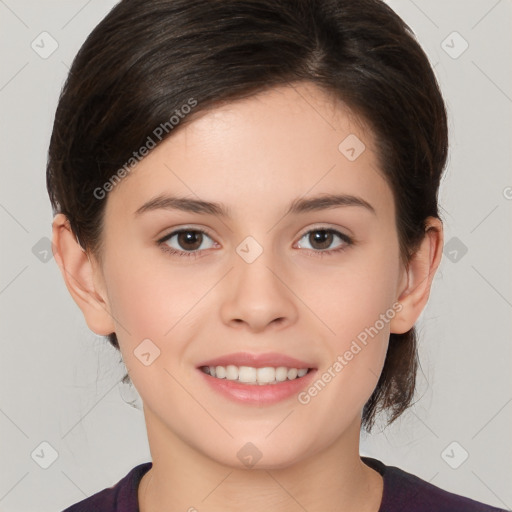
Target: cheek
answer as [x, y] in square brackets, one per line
[352, 296]
[150, 297]
[355, 304]
[156, 312]
[158, 301]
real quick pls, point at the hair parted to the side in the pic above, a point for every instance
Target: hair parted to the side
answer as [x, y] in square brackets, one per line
[147, 58]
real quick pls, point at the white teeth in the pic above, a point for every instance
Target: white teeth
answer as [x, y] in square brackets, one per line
[292, 373]
[266, 375]
[247, 374]
[281, 374]
[231, 372]
[251, 375]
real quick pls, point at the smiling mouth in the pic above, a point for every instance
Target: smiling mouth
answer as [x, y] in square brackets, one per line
[255, 376]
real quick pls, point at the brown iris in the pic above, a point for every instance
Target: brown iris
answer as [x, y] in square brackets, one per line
[190, 240]
[321, 237]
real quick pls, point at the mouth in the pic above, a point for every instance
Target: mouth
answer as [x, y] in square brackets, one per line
[268, 375]
[260, 379]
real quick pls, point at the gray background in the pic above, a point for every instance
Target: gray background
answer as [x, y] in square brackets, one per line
[59, 381]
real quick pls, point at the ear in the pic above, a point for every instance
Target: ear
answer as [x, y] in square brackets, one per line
[418, 276]
[82, 277]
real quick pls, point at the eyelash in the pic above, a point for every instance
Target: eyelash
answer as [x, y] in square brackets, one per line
[195, 254]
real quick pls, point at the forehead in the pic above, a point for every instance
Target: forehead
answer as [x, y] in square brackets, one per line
[275, 146]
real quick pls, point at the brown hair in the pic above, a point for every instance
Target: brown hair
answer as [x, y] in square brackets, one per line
[147, 58]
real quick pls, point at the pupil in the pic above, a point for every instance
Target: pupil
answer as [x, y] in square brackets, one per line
[322, 238]
[190, 240]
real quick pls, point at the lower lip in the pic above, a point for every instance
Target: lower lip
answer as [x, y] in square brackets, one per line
[265, 394]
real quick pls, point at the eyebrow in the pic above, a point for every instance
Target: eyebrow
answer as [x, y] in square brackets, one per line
[300, 205]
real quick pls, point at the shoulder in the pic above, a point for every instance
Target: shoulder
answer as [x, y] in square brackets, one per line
[408, 493]
[121, 497]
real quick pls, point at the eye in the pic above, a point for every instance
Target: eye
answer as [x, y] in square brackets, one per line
[186, 242]
[322, 240]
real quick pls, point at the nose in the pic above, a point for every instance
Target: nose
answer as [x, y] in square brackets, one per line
[256, 297]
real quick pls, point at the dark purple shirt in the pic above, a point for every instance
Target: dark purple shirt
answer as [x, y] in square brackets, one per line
[403, 492]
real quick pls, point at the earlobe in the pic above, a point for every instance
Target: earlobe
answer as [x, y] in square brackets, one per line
[80, 277]
[415, 287]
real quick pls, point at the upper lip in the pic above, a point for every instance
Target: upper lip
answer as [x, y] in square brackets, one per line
[256, 360]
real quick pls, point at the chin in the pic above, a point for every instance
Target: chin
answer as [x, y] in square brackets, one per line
[255, 454]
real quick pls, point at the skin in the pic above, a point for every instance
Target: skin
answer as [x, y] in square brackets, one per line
[255, 156]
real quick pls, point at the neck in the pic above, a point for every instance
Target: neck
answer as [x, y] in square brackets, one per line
[182, 479]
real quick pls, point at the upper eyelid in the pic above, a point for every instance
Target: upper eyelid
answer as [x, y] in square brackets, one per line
[185, 228]
[325, 227]
[346, 239]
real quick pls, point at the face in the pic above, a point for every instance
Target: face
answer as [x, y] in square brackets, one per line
[273, 245]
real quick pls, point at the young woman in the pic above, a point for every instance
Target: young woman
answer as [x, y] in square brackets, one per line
[246, 205]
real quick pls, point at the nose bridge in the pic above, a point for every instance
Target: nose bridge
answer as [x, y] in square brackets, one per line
[256, 295]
